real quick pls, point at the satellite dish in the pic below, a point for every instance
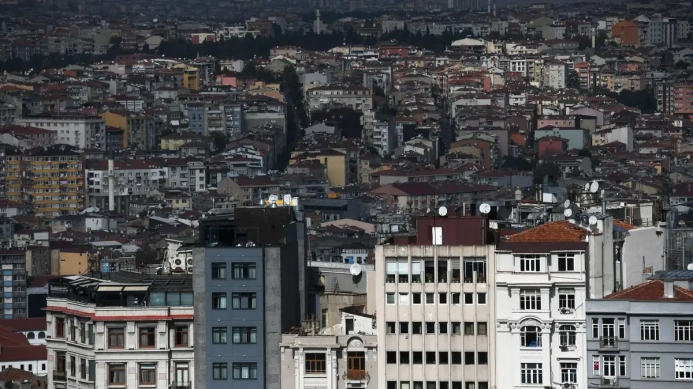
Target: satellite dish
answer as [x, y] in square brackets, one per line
[585, 219]
[443, 211]
[587, 187]
[287, 199]
[594, 187]
[355, 269]
[273, 198]
[593, 220]
[568, 213]
[485, 208]
[155, 20]
[690, 266]
[566, 204]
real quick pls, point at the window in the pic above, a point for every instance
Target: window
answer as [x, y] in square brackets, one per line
[649, 329]
[455, 298]
[244, 335]
[147, 337]
[443, 328]
[621, 328]
[683, 330]
[220, 371]
[315, 363]
[243, 301]
[566, 334]
[416, 328]
[390, 271]
[443, 357]
[82, 332]
[456, 328]
[566, 262]
[430, 357]
[482, 358]
[148, 374]
[683, 368]
[82, 368]
[531, 373]
[621, 365]
[481, 328]
[596, 366]
[566, 300]
[402, 271]
[417, 357]
[416, 298]
[404, 327]
[569, 373]
[218, 300]
[116, 374]
[468, 328]
[609, 366]
[530, 300]
[182, 336]
[243, 271]
[430, 327]
[456, 357]
[219, 271]
[469, 358]
[390, 298]
[481, 298]
[390, 325]
[404, 357]
[416, 271]
[531, 336]
[649, 367]
[442, 298]
[530, 263]
[404, 299]
[116, 338]
[391, 357]
[430, 298]
[59, 327]
[469, 298]
[219, 335]
[73, 366]
[472, 266]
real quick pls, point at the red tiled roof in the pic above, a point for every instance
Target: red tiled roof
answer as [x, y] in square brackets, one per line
[623, 224]
[16, 347]
[559, 231]
[651, 291]
[28, 324]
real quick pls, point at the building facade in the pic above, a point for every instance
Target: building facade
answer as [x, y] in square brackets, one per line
[81, 131]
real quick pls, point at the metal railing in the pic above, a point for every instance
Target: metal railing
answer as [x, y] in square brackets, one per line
[59, 375]
[608, 342]
[357, 375]
[609, 382]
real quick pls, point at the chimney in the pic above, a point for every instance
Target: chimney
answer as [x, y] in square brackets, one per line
[669, 289]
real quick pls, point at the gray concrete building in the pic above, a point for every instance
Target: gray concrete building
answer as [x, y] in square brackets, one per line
[249, 282]
[642, 337]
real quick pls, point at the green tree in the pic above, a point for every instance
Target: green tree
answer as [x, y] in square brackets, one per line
[220, 140]
[546, 169]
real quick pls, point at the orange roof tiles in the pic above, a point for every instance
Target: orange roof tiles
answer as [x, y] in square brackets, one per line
[559, 231]
[623, 224]
[651, 291]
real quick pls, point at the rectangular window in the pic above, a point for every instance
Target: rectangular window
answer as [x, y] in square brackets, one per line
[416, 271]
[530, 300]
[469, 298]
[182, 336]
[403, 271]
[147, 337]
[404, 299]
[73, 366]
[83, 368]
[390, 298]
[430, 298]
[649, 329]
[455, 298]
[116, 374]
[417, 357]
[417, 328]
[416, 298]
[456, 328]
[218, 300]
[566, 300]
[243, 301]
[482, 358]
[596, 366]
[569, 373]
[531, 373]
[443, 327]
[621, 328]
[404, 357]
[243, 271]
[219, 271]
[609, 366]
[220, 371]
[481, 328]
[390, 327]
[621, 365]
[683, 330]
[530, 263]
[404, 327]
[443, 357]
[390, 271]
[244, 335]
[116, 338]
[219, 335]
[442, 298]
[391, 357]
[481, 298]
[649, 367]
[566, 262]
[683, 368]
[147, 374]
[474, 266]
[430, 327]
[469, 358]
[315, 363]
[456, 357]
[430, 357]
[59, 327]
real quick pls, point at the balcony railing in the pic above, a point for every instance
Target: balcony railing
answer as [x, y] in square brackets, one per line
[608, 342]
[59, 375]
[179, 385]
[357, 375]
[608, 382]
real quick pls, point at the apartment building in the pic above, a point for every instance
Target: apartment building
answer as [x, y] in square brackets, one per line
[249, 282]
[74, 129]
[134, 332]
[357, 98]
[139, 130]
[683, 98]
[642, 337]
[435, 303]
[28, 137]
[13, 296]
[8, 113]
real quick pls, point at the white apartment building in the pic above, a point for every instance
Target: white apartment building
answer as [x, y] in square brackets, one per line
[135, 334]
[79, 130]
[434, 307]
[540, 307]
[357, 98]
[554, 75]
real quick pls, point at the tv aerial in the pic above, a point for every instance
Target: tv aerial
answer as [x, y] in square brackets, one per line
[443, 211]
[485, 208]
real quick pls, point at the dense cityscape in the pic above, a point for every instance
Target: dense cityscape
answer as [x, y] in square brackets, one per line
[415, 194]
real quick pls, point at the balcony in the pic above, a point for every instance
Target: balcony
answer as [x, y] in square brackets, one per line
[179, 385]
[60, 376]
[608, 343]
[608, 382]
[357, 375]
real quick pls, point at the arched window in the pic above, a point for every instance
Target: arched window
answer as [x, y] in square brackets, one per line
[531, 336]
[30, 335]
[42, 335]
[567, 335]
